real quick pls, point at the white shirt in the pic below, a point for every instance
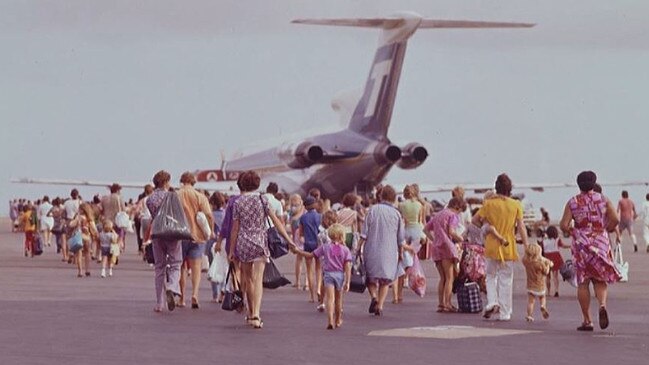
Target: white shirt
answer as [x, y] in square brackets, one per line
[550, 245]
[71, 207]
[44, 209]
[645, 212]
[275, 207]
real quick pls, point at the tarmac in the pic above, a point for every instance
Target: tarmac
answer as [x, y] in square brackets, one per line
[49, 316]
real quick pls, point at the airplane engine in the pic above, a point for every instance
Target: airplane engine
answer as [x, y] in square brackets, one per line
[413, 156]
[387, 154]
[305, 155]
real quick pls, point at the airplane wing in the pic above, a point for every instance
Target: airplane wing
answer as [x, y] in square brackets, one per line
[228, 187]
[538, 187]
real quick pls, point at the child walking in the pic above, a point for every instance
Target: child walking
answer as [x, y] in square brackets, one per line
[109, 247]
[537, 269]
[551, 245]
[337, 270]
[328, 219]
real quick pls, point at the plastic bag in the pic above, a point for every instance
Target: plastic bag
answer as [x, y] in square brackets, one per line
[568, 274]
[203, 224]
[171, 223]
[122, 220]
[75, 242]
[273, 279]
[219, 267]
[416, 278]
[621, 266]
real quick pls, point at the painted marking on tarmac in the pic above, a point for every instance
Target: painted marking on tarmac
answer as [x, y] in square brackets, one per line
[449, 332]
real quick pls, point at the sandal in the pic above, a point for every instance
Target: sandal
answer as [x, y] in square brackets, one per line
[440, 309]
[373, 304]
[194, 303]
[586, 327]
[545, 313]
[603, 317]
[529, 319]
[259, 325]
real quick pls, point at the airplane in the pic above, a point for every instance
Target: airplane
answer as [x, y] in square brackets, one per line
[360, 156]
[357, 158]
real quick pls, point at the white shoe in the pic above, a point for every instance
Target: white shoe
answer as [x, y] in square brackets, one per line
[110, 272]
[103, 273]
[503, 318]
[320, 308]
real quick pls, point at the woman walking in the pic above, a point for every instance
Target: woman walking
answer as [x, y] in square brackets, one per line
[383, 235]
[167, 254]
[593, 216]
[249, 242]
[442, 231]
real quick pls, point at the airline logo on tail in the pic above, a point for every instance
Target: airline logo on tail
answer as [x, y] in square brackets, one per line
[377, 76]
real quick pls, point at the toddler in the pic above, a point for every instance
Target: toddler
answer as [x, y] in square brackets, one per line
[109, 247]
[336, 262]
[537, 269]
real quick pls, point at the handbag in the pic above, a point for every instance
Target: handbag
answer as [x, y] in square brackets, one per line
[422, 254]
[277, 246]
[170, 223]
[357, 282]
[233, 298]
[273, 279]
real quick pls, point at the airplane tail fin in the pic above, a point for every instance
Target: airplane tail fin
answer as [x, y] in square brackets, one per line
[373, 112]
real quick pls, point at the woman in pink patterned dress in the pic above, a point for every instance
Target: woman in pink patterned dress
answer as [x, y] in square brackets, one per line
[593, 216]
[442, 231]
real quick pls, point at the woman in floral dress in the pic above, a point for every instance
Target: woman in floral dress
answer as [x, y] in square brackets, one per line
[593, 217]
[249, 244]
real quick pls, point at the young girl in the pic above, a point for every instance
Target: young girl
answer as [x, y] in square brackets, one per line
[551, 245]
[537, 268]
[107, 241]
[328, 219]
[337, 270]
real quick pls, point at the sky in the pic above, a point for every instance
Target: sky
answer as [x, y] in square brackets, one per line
[116, 90]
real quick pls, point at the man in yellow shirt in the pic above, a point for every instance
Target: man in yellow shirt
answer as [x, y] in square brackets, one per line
[505, 215]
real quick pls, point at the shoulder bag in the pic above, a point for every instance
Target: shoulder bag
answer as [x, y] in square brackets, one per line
[277, 246]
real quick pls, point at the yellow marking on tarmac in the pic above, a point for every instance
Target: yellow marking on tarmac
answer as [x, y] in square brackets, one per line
[449, 332]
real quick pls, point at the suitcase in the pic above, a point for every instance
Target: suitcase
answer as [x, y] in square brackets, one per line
[468, 298]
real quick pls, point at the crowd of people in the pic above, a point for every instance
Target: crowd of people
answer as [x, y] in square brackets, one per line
[383, 237]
